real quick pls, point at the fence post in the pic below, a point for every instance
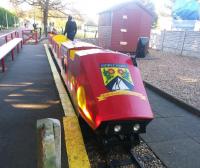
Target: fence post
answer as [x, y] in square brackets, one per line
[84, 33]
[183, 42]
[95, 34]
[36, 37]
[163, 40]
[23, 37]
[17, 34]
[6, 39]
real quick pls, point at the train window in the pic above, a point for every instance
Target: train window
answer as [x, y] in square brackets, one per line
[123, 43]
[65, 68]
[123, 30]
[72, 54]
[63, 65]
[125, 17]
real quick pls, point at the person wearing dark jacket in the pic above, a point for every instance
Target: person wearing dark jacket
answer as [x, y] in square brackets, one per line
[70, 28]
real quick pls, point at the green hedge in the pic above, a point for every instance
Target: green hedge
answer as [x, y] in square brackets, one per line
[11, 18]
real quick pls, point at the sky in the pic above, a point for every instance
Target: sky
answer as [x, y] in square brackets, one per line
[85, 6]
[90, 7]
[95, 6]
[5, 4]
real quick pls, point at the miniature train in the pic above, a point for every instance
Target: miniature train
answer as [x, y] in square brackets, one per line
[106, 89]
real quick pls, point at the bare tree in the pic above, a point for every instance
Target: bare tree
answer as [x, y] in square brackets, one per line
[45, 6]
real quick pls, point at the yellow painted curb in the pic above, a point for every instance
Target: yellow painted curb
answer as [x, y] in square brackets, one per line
[74, 144]
[75, 147]
[61, 89]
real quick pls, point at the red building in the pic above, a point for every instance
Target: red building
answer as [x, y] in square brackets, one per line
[120, 27]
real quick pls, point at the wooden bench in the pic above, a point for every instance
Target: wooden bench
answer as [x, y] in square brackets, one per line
[7, 48]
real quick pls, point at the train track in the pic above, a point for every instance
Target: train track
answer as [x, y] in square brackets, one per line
[140, 156]
[120, 157]
[130, 160]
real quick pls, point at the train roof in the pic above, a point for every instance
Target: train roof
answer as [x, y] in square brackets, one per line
[76, 44]
[97, 51]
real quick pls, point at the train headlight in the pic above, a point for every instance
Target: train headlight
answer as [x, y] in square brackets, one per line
[136, 127]
[117, 128]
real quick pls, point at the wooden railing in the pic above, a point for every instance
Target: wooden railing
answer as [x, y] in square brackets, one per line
[8, 36]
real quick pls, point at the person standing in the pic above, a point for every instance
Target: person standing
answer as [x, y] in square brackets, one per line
[70, 28]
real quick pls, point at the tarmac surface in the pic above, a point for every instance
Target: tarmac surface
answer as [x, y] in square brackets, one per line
[27, 93]
[174, 134]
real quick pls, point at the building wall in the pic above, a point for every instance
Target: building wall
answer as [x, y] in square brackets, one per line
[135, 21]
[104, 30]
[104, 36]
[120, 29]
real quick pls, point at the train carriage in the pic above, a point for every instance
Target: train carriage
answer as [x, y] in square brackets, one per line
[107, 91]
[68, 50]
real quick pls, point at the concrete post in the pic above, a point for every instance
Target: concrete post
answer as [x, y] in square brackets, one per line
[163, 39]
[49, 143]
[182, 47]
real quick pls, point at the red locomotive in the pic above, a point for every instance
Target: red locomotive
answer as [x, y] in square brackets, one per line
[107, 91]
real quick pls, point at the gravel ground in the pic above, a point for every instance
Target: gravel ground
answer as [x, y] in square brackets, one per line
[176, 75]
[142, 152]
[146, 157]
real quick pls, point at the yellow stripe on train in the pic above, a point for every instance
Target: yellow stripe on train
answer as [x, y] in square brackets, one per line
[60, 39]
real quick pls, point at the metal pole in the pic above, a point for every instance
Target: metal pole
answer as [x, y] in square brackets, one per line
[6, 20]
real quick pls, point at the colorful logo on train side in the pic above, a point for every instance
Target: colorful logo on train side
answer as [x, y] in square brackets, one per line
[116, 77]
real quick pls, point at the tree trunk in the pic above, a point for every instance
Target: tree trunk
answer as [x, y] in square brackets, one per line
[45, 16]
[45, 20]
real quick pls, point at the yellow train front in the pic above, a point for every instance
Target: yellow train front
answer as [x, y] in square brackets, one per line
[107, 91]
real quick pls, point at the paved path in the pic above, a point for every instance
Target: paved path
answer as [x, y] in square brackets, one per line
[174, 134]
[27, 93]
